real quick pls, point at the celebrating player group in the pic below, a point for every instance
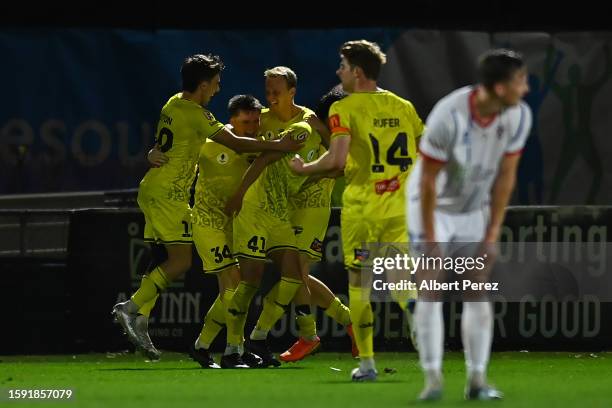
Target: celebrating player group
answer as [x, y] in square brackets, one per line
[263, 186]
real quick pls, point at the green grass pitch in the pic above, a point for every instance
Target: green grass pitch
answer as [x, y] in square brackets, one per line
[563, 379]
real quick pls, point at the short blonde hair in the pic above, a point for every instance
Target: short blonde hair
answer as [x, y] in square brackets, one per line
[284, 72]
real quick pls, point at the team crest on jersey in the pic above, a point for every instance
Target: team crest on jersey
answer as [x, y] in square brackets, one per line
[222, 158]
[316, 246]
[500, 132]
[311, 155]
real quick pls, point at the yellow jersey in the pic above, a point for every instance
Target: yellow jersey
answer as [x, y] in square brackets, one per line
[182, 128]
[220, 174]
[311, 195]
[384, 129]
[272, 189]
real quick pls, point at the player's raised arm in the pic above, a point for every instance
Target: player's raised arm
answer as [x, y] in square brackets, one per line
[244, 144]
[234, 204]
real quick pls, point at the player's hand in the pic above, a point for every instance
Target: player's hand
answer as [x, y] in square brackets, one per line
[297, 164]
[156, 158]
[288, 144]
[233, 205]
[488, 250]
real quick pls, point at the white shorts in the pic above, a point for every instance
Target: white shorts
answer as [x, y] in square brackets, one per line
[448, 227]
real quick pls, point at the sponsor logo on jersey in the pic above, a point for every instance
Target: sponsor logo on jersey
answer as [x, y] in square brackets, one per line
[387, 186]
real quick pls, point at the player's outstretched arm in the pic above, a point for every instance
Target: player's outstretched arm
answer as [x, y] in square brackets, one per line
[331, 161]
[500, 195]
[244, 144]
[234, 204]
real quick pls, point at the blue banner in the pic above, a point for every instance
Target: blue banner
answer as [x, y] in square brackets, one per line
[79, 107]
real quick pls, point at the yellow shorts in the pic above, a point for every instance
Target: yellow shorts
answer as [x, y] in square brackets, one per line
[310, 227]
[214, 247]
[257, 233]
[358, 229]
[166, 221]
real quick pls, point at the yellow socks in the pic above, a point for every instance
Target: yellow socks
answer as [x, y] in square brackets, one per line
[236, 312]
[274, 307]
[339, 312]
[145, 310]
[150, 286]
[214, 320]
[363, 320]
[307, 325]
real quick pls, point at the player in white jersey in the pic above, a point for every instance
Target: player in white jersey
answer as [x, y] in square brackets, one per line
[458, 192]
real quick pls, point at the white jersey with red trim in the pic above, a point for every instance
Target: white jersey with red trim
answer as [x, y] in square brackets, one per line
[471, 150]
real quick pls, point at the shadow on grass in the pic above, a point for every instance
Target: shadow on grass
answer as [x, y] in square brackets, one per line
[258, 370]
[347, 381]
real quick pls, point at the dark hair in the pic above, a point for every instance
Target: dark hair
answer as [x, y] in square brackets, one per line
[498, 65]
[198, 68]
[365, 55]
[243, 103]
[326, 101]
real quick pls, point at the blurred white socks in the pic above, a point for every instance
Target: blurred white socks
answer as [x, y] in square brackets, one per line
[477, 333]
[430, 335]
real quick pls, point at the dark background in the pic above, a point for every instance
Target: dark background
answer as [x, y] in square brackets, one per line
[494, 15]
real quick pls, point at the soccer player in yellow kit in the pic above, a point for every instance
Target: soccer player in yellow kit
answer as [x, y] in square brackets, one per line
[310, 210]
[220, 173]
[163, 194]
[271, 193]
[374, 135]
